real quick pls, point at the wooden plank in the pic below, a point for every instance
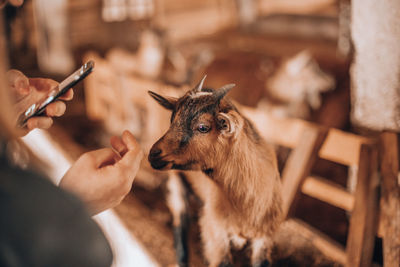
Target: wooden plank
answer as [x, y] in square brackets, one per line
[329, 192]
[285, 132]
[363, 222]
[342, 147]
[96, 85]
[169, 16]
[303, 7]
[339, 146]
[322, 242]
[390, 198]
[278, 131]
[299, 164]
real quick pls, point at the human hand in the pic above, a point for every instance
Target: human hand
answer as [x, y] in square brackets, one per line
[27, 91]
[15, 3]
[102, 178]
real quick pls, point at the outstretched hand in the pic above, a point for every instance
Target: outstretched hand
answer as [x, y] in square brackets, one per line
[27, 91]
[102, 178]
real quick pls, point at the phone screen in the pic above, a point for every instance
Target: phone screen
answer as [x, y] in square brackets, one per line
[38, 108]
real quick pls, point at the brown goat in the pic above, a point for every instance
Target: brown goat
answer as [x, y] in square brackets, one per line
[241, 187]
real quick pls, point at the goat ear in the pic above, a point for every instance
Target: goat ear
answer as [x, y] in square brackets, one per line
[226, 124]
[166, 102]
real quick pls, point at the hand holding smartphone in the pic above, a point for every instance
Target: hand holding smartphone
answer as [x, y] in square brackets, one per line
[38, 108]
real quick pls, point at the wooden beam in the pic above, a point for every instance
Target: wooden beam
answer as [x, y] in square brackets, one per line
[303, 7]
[322, 242]
[390, 198]
[339, 146]
[298, 165]
[329, 192]
[275, 130]
[364, 218]
[342, 147]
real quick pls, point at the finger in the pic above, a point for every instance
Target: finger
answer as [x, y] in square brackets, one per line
[20, 132]
[39, 122]
[131, 160]
[103, 157]
[118, 145]
[43, 84]
[19, 82]
[129, 140]
[130, 163]
[68, 95]
[56, 109]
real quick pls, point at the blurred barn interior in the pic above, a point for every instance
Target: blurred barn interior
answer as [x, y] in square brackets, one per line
[303, 72]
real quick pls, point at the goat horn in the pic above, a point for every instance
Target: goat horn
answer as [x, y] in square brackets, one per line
[221, 92]
[200, 85]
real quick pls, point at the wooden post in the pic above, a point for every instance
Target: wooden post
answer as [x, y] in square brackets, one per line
[390, 198]
[298, 165]
[375, 71]
[364, 218]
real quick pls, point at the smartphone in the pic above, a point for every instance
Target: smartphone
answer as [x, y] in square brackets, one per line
[38, 108]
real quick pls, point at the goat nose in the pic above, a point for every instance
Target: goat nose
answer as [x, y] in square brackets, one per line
[154, 152]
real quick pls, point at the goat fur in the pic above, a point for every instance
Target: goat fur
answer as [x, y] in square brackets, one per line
[242, 194]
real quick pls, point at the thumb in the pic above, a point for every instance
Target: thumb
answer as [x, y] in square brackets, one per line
[130, 141]
[133, 157]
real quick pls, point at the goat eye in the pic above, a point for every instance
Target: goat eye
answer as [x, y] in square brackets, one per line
[203, 128]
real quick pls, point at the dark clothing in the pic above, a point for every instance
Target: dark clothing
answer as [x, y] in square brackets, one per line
[42, 225]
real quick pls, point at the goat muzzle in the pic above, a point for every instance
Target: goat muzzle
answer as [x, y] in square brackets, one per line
[156, 160]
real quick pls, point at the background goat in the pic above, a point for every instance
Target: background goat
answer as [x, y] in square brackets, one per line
[241, 188]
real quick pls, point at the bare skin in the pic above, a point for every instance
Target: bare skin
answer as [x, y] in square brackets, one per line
[101, 178]
[29, 90]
